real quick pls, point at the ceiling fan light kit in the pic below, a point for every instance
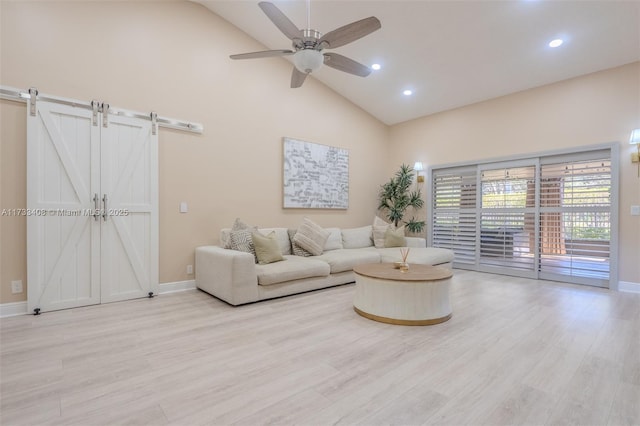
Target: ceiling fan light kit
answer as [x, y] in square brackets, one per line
[308, 60]
[308, 45]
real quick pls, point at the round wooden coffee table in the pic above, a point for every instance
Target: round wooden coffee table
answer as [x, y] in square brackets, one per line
[419, 296]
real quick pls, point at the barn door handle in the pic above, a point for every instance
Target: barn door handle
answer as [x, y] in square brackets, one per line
[105, 213]
[96, 207]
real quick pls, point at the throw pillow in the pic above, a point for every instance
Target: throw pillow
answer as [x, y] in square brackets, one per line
[267, 248]
[311, 237]
[295, 248]
[238, 225]
[394, 237]
[242, 241]
[379, 229]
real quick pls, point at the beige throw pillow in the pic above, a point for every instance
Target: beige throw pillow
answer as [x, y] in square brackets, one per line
[394, 237]
[311, 237]
[266, 247]
[379, 229]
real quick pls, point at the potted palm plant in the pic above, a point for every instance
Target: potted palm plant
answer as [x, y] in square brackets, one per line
[396, 196]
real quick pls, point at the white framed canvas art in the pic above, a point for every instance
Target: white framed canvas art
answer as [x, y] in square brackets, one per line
[315, 176]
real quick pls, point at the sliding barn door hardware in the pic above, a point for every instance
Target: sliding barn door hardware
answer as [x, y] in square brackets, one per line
[154, 123]
[95, 108]
[105, 114]
[33, 92]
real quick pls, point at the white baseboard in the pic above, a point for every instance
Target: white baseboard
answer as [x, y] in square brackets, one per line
[164, 288]
[20, 308]
[628, 287]
[13, 309]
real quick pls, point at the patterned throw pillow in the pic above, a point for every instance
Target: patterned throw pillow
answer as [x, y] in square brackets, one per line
[238, 225]
[311, 237]
[242, 241]
[295, 248]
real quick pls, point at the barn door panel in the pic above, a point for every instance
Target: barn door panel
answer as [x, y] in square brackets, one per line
[129, 233]
[62, 233]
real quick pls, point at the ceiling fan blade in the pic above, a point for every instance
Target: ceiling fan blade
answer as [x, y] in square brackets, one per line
[280, 20]
[345, 64]
[351, 32]
[262, 54]
[297, 78]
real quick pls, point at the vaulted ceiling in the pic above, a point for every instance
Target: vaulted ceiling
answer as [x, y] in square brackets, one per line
[452, 53]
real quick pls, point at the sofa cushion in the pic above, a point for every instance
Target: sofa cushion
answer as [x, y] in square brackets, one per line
[357, 237]
[422, 255]
[294, 268]
[345, 259]
[266, 246]
[311, 237]
[334, 241]
[394, 237]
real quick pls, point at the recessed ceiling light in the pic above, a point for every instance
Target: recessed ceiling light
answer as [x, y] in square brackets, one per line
[555, 43]
[375, 67]
[407, 92]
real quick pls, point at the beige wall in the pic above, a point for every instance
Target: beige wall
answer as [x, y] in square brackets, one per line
[172, 58]
[593, 109]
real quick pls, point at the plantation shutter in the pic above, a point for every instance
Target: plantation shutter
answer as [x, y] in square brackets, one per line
[454, 213]
[578, 209]
[507, 201]
[550, 216]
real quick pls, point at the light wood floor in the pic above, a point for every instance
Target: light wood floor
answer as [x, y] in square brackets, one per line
[516, 351]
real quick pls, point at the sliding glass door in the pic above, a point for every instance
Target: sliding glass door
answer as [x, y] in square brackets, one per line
[507, 205]
[575, 217]
[549, 217]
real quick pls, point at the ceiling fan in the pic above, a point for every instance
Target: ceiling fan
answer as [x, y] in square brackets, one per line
[308, 45]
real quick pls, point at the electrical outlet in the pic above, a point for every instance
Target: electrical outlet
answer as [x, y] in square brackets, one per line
[189, 269]
[16, 286]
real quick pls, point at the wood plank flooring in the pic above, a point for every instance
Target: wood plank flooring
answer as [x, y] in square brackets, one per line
[516, 351]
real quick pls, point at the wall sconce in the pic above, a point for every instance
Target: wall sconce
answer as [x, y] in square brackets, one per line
[635, 140]
[418, 167]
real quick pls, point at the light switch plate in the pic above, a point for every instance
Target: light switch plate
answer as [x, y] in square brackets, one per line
[635, 210]
[183, 207]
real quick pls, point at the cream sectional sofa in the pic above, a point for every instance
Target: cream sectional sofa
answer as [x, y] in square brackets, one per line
[234, 276]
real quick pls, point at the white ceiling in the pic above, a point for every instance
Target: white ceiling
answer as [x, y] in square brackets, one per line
[452, 53]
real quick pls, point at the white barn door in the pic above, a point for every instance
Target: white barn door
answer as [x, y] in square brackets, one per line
[77, 255]
[129, 235]
[63, 266]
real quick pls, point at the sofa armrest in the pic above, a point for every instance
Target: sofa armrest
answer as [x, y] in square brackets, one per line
[229, 275]
[415, 242]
